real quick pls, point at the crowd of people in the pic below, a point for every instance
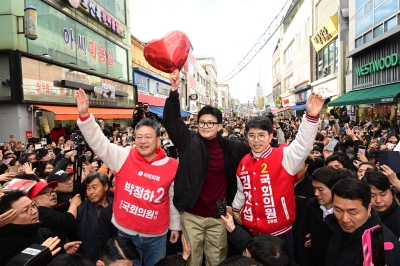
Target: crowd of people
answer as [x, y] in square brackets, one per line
[216, 191]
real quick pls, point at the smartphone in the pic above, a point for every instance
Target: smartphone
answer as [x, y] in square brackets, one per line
[50, 152]
[4, 162]
[380, 141]
[331, 145]
[373, 246]
[362, 149]
[11, 136]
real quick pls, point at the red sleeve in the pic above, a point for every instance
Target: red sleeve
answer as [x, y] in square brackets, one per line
[83, 119]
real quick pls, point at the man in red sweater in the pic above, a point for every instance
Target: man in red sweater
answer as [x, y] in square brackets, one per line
[206, 175]
[265, 200]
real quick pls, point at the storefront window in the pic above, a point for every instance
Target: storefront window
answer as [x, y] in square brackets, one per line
[378, 31]
[5, 86]
[364, 112]
[327, 59]
[384, 114]
[391, 23]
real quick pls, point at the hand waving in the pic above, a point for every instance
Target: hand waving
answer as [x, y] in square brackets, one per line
[175, 80]
[314, 104]
[82, 102]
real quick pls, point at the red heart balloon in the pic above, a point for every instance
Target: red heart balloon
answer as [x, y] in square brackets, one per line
[168, 53]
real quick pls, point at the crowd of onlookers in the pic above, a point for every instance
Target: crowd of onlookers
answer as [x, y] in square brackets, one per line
[78, 229]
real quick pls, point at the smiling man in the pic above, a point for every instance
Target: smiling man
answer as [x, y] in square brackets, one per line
[265, 200]
[352, 216]
[205, 176]
[143, 209]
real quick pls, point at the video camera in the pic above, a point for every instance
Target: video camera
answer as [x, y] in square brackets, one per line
[140, 108]
[270, 116]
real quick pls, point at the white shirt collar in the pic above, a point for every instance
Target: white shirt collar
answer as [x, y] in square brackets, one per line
[325, 212]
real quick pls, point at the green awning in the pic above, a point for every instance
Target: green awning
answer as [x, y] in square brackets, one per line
[381, 94]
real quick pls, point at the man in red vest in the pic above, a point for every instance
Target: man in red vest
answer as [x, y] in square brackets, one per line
[142, 208]
[265, 200]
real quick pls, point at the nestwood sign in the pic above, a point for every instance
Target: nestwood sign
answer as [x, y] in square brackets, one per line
[380, 64]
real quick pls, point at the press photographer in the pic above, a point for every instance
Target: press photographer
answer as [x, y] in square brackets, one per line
[141, 111]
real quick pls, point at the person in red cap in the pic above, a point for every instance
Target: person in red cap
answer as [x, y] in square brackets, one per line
[54, 223]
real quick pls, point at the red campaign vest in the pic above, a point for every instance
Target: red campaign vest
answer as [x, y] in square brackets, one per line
[269, 204]
[141, 198]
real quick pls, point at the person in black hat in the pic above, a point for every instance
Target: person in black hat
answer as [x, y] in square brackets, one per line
[65, 187]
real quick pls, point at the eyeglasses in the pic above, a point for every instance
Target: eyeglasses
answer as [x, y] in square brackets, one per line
[203, 124]
[30, 209]
[252, 137]
[147, 138]
[48, 192]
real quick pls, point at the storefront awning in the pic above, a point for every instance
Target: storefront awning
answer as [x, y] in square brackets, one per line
[281, 109]
[298, 107]
[71, 113]
[381, 94]
[159, 110]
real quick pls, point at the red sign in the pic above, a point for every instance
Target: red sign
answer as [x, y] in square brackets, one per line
[28, 134]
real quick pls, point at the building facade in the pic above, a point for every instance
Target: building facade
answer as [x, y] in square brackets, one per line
[68, 45]
[374, 69]
[210, 66]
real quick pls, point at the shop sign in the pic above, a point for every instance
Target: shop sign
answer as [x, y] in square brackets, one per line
[326, 89]
[193, 106]
[76, 77]
[288, 68]
[301, 74]
[98, 12]
[163, 89]
[193, 97]
[380, 64]
[325, 33]
[289, 101]
[303, 96]
[141, 82]
[204, 100]
[28, 134]
[276, 79]
[98, 53]
[261, 102]
[278, 102]
[107, 88]
[102, 103]
[387, 100]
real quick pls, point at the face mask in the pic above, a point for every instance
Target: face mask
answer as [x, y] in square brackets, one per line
[123, 138]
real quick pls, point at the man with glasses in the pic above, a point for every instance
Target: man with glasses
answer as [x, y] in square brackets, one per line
[205, 177]
[265, 200]
[54, 223]
[144, 175]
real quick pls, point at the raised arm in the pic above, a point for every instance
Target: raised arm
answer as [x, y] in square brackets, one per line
[176, 128]
[297, 152]
[111, 154]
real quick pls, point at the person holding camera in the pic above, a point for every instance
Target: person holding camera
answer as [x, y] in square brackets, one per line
[142, 111]
[265, 199]
[143, 209]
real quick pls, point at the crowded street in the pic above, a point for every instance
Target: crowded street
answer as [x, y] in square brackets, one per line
[200, 133]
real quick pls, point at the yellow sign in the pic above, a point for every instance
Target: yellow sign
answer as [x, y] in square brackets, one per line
[261, 102]
[278, 102]
[325, 34]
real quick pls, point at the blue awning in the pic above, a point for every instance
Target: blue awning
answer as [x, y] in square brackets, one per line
[159, 110]
[298, 107]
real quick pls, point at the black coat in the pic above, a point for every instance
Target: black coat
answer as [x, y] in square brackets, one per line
[350, 253]
[313, 223]
[16, 237]
[106, 229]
[391, 218]
[194, 156]
[55, 223]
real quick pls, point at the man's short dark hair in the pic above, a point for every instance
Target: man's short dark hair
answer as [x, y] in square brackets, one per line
[336, 157]
[149, 123]
[103, 178]
[268, 250]
[326, 175]
[319, 137]
[118, 248]
[30, 154]
[260, 122]
[70, 259]
[346, 173]
[370, 164]
[8, 199]
[352, 189]
[377, 179]
[239, 260]
[22, 160]
[29, 144]
[209, 110]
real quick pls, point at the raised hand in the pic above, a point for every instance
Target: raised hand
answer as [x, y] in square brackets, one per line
[314, 104]
[82, 102]
[51, 243]
[175, 80]
[8, 217]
